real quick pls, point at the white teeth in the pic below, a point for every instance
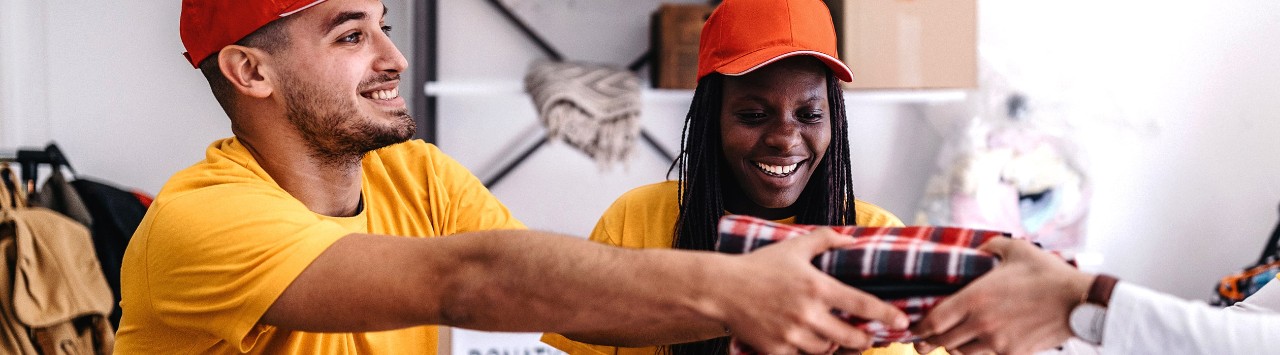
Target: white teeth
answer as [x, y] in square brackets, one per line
[777, 170]
[385, 94]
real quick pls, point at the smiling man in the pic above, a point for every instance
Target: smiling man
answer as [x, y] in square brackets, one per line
[312, 229]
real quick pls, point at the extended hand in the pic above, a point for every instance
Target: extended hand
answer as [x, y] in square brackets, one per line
[1019, 307]
[779, 303]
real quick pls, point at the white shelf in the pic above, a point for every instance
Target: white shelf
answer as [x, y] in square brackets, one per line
[504, 88]
[438, 88]
[906, 96]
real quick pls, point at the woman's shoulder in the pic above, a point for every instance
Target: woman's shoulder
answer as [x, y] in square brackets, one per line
[641, 218]
[870, 215]
[658, 201]
[662, 191]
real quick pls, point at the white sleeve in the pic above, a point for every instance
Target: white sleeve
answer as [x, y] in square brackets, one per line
[1142, 321]
[1266, 299]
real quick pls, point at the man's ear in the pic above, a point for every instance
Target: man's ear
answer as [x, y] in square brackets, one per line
[247, 70]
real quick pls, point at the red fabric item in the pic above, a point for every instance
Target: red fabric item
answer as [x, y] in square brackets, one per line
[208, 25]
[144, 198]
[912, 268]
[743, 35]
[881, 256]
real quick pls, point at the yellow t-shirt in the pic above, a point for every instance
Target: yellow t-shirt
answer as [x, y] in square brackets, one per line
[646, 217]
[222, 241]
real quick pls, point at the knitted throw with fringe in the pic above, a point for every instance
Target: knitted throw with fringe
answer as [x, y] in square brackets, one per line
[593, 108]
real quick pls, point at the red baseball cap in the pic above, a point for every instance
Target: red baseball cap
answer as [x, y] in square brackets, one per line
[208, 25]
[744, 35]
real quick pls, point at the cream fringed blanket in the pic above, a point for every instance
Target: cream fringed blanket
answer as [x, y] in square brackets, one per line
[593, 108]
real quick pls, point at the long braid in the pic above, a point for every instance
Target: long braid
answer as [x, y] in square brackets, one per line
[827, 199]
[842, 171]
[701, 203]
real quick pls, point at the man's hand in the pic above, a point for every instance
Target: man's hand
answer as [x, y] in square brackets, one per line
[779, 303]
[1019, 307]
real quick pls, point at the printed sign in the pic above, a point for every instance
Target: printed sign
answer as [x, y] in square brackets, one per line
[471, 342]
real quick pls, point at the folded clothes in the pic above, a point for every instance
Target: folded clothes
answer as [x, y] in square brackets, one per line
[912, 268]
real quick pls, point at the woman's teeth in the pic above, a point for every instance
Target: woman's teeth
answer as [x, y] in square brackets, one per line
[777, 170]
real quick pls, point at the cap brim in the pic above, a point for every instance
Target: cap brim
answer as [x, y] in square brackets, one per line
[763, 57]
[299, 6]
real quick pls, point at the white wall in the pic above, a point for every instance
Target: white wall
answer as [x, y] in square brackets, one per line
[23, 90]
[1179, 117]
[107, 81]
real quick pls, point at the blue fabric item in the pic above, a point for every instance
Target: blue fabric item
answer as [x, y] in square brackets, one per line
[1036, 212]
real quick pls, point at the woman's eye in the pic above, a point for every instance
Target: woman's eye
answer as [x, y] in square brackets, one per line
[354, 37]
[810, 116]
[386, 29]
[751, 116]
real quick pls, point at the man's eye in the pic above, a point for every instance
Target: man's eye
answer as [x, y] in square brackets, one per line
[386, 29]
[354, 37]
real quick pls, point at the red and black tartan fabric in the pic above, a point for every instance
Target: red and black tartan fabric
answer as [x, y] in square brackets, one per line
[912, 268]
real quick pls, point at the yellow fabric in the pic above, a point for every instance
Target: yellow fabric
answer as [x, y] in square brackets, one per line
[645, 218]
[222, 240]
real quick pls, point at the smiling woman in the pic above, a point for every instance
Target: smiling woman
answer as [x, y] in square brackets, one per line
[774, 131]
[766, 136]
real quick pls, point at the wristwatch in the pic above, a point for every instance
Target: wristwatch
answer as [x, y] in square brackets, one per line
[1087, 320]
[1088, 317]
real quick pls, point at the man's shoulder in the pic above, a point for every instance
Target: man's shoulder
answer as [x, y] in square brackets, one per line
[411, 155]
[226, 162]
[415, 148]
[228, 178]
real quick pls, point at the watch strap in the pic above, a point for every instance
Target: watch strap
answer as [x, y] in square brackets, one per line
[1100, 290]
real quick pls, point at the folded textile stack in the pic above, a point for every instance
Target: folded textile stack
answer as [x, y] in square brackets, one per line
[594, 108]
[912, 268]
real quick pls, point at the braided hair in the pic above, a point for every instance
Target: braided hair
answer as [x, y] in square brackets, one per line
[826, 200]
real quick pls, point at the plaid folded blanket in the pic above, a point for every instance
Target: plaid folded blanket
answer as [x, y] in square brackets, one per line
[912, 268]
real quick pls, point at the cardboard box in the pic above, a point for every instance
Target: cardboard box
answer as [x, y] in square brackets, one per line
[908, 44]
[676, 28]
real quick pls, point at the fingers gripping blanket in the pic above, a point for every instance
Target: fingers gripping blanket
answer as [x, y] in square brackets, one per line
[912, 268]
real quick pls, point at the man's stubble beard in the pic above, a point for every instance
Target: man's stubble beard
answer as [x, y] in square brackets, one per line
[335, 133]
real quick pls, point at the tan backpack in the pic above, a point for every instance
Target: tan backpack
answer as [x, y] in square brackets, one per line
[53, 296]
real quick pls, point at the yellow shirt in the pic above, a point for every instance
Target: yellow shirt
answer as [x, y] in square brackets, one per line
[646, 217]
[222, 241]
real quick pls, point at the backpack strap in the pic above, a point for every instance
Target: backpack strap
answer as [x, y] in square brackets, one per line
[12, 193]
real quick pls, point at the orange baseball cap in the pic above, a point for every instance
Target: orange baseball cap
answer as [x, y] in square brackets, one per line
[208, 25]
[743, 35]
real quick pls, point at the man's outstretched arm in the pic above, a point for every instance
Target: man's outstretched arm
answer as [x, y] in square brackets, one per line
[530, 281]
